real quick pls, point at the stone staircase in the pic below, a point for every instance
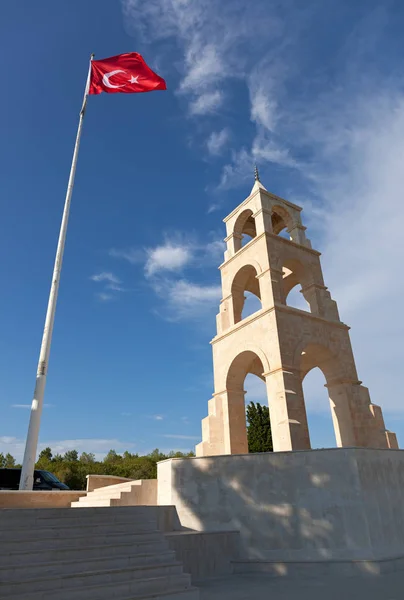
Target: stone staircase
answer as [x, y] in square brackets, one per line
[95, 553]
[131, 493]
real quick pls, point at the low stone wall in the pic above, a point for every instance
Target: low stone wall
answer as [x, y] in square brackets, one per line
[41, 499]
[345, 503]
[205, 554]
[98, 481]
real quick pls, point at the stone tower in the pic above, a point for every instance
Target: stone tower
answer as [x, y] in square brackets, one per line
[278, 343]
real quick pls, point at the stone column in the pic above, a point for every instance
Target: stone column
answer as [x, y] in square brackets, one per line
[297, 233]
[234, 422]
[225, 318]
[287, 410]
[340, 395]
[212, 429]
[271, 288]
[263, 221]
[233, 242]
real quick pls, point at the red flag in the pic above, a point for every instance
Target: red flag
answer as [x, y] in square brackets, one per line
[125, 73]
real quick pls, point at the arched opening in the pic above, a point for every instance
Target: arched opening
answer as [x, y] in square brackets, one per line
[245, 281]
[319, 366]
[244, 229]
[295, 299]
[255, 388]
[294, 275]
[319, 417]
[281, 221]
[245, 375]
[251, 305]
[259, 434]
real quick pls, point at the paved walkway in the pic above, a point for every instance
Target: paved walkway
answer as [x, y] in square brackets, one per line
[260, 587]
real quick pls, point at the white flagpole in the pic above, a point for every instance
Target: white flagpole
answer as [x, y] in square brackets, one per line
[27, 475]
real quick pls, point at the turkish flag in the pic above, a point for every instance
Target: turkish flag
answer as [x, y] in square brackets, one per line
[124, 74]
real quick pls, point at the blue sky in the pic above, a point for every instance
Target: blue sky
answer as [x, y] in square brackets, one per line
[313, 92]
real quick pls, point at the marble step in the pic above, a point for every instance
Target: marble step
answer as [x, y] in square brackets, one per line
[136, 515]
[80, 564]
[138, 523]
[113, 489]
[78, 531]
[116, 486]
[88, 502]
[176, 587]
[26, 559]
[145, 542]
[82, 579]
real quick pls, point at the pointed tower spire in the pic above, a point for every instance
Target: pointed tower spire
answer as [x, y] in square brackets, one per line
[257, 182]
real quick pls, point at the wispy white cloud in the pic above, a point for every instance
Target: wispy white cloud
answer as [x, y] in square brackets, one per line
[115, 288]
[184, 293]
[205, 67]
[206, 103]
[167, 257]
[132, 255]
[106, 276]
[186, 300]
[167, 261]
[157, 417]
[217, 140]
[113, 284]
[264, 107]
[104, 297]
[363, 199]
[214, 251]
[212, 37]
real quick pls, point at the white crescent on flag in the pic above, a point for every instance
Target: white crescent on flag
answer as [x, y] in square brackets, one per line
[106, 82]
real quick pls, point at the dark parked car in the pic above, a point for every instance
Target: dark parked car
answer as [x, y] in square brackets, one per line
[43, 480]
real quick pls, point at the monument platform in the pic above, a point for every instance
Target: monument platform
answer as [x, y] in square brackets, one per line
[336, 504]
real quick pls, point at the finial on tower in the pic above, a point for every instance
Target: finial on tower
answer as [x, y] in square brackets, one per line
[257, 183]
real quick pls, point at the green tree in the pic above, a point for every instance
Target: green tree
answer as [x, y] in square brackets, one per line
[7, 461]
[10, 461]
[258, 428]
[72, 470]
[45, 454]
[112, 457]
[87, 458]
[71, 456]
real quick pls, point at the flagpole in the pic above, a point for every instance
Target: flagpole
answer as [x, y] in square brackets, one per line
[27, 474]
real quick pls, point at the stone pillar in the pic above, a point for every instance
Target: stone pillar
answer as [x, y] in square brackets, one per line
[391, 439]
[234, 422]
[263, 221]
[287, 411]
[297, 233]
[225, 318]
[320, 301]
[340, 401]
[233, 242]
[212, 429]
[236, 303]
[271, 287]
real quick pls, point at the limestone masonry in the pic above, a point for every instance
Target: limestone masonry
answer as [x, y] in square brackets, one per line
[278, 343]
